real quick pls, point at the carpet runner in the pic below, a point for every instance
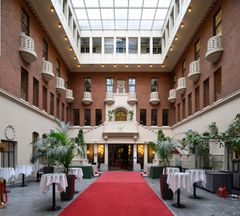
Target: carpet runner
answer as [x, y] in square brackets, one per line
[118, 194]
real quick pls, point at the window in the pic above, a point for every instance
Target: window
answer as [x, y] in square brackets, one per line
[24, 84]
[64, 6]
[190, 104]
[145, 45]
[121, 115]
[197, 99]
[58, 68]
[84, 45]
[174, 115]
[154, 117]
[76, 117]
[217, 28]
[25, 23]
[63, 107]
[154, 84]
[90, 153]
[35, 92]
[172, 18]
[143, 116]
[98, 117]
[121, 45]
[44, 98]
[183, 68]
[131, 84]
[206, 92]
[177, 5]
[151, 154]
[197, 50]
[183, 108]
[67, 113]
[87, 117]
[87, 84]
[58, 108]
[133, 45]
[178, 113]
[140, 155]
[45, 50]
[51, 103]
[109, 84]
[8, 153]
[165, 114]
[157, 45]
[69, 18]
[217, 84]
[100, 150]
[97, 45]
[108, 45]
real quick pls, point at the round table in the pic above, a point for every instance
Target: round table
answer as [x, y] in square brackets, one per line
[179, 180]
[7, 173]
[197, 175]
[53, 179]
[170, 170]
[77, 172]
[24, 170]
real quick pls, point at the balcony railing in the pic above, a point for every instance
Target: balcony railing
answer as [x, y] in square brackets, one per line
[214, 49]
[194, 71]
[132, 98]
[172, 95]
[47, 70]
[87, 98]
[154, 98]
[27, 49]
[181, 87]
[60, 85]
[69, 96]
[109, 98]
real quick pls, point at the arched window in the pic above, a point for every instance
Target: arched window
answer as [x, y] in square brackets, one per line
[121, 115]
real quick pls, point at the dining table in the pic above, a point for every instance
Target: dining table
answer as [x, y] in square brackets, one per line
[24, 170]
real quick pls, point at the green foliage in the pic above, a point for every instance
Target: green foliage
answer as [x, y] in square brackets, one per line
[79, 140]
[110, 115]
[131, 112]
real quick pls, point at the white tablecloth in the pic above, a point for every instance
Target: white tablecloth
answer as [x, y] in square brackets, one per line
[50, 178]
[197, 175]
[36, 167]
[170, 170]
[7, 173]
[179, 180]
[23, 169]
[77, 172]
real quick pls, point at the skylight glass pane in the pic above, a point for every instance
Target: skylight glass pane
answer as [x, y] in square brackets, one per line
[133, 24]
[135, 3]
[81, 14]
[106, 3]
[164, 3]
[150, 3]
[121, 3]
[93, 13]
[91, 3]
[78, 3]
[120, 14]
[157, 24]
[107, 13]
[148, 13]
[146, 24]
[161, 13]
[83, 24]
[121, 24]
[108, 24]
[96, 24]
[134, 13]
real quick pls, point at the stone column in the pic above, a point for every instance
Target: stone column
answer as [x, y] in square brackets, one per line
[145, 154]
[106, 153]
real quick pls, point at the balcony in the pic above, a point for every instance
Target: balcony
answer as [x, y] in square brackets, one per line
[172, 95]
[154, 99]
[47, 70]
[60, 85]
[69, 96]
[181, 87]
[109, 98]
[27, 49]
[214, 49]
[194, 71]
[87, 98]
[132, 98]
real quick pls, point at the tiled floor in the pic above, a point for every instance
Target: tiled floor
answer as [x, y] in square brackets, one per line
[31, 201]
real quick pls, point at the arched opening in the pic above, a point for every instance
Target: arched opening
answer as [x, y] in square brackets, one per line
[121, 115]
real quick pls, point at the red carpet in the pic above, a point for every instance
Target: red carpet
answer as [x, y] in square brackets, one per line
[118, 194]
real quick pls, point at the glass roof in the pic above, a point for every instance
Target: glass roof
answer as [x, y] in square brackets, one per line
[121, 14]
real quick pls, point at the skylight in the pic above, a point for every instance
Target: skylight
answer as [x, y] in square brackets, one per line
[121, 14]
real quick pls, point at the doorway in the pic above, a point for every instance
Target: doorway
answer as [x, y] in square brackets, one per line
[120, 156]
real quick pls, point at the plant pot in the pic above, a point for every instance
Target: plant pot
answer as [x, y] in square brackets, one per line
[68, 194]
[166, 193]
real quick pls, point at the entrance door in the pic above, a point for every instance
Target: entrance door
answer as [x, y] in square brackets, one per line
[120, 157]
